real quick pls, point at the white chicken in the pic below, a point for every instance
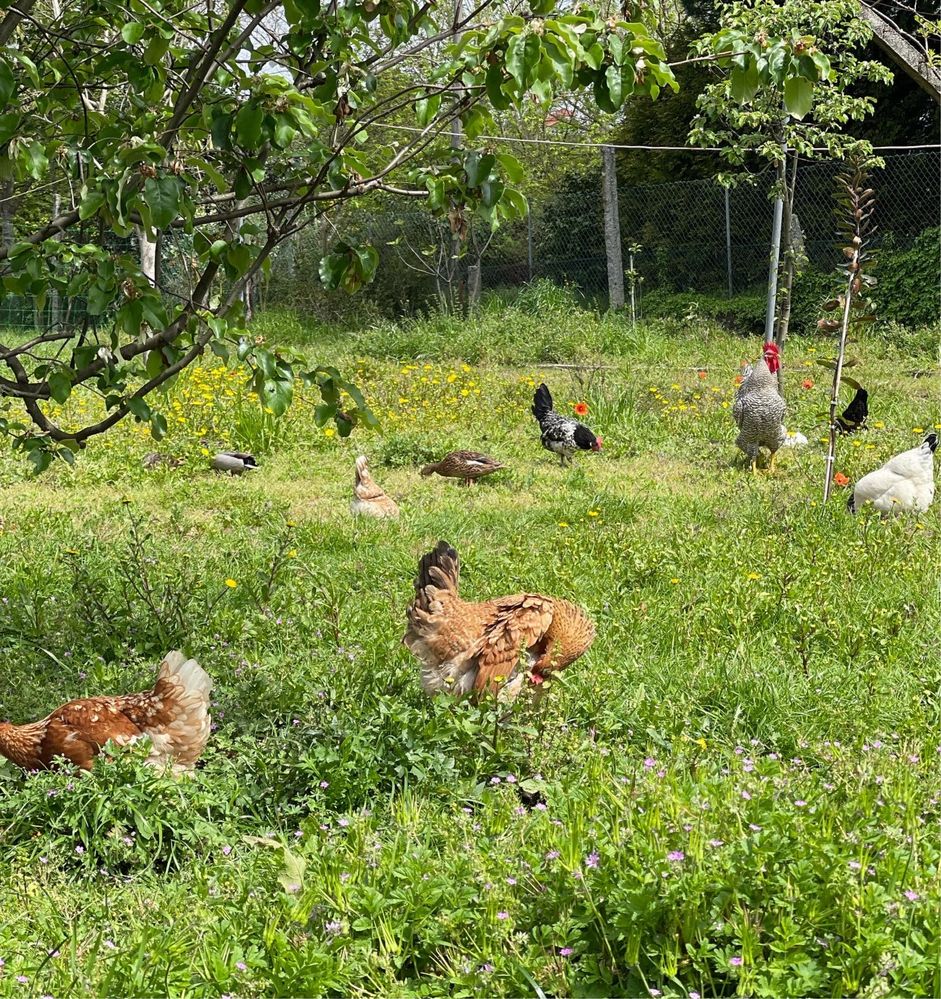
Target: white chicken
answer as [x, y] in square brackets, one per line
[905, 482]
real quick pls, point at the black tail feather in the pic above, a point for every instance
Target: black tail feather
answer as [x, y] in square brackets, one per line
[542, 402]
[932, 441]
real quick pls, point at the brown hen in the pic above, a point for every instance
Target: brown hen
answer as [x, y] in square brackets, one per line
[490, 646]
[174, 715]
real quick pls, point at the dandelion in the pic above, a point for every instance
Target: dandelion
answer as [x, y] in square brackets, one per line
[592, 513]
[231, 583]
[754, 575]
[581, 408]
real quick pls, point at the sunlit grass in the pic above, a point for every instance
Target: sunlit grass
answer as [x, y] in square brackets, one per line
[740, 780]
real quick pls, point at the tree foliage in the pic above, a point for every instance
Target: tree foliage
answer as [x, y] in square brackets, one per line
[241, 122]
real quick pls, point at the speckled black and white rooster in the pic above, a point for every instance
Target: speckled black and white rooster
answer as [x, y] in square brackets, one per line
[759, 409]
[562, 435]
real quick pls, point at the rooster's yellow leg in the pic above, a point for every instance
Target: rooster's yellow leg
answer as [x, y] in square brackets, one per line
[754, 465]
[771, 463]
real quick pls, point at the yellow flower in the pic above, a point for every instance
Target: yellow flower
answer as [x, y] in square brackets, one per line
[754, 575]
[879, 425]
[592, 513]
[292, 553]
[918, 430]
[329, 432]
[231, 583]
[674, 580]
[701, 742]
[563, 523]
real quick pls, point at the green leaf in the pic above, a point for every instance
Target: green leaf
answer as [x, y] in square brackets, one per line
[798, 96]
[332, 268]
[90, 204]
[522, 55]
[426, 109]
[139, 409]
[220, 129]
[7, 81]
[248, 126]
[494, 83]
[162, 195]
[478, 167]
[284, 131]
[60, 386]
[9, 124]
[156, 49]
[132, 32]
[512, 168]
[744, 82]
[97, 299]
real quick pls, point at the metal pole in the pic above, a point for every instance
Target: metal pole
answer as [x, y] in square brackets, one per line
[728, 240]
[775, 258]
[612, 229]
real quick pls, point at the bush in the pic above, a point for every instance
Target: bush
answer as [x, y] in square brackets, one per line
[909, 280]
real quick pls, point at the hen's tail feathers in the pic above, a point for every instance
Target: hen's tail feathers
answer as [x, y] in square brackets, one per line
[362, 470]
[440, 569]
[542, 402]
[932, 441]
[192, 677]
[851, 503]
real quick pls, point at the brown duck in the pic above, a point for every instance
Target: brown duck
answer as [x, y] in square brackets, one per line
[465, 465]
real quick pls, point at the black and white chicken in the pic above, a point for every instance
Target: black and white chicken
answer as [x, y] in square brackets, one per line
[562, 435]
[905, 482]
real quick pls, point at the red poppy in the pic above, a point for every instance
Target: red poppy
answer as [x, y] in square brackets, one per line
[841, 480]
[703, 375]
[807, 383]
[581, 408]
[738, 379]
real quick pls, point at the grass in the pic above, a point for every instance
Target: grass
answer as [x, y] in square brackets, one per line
[739, 783]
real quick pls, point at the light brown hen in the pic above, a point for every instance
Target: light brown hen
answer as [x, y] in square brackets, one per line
[174, 715]
[491, 646]
[369, 499]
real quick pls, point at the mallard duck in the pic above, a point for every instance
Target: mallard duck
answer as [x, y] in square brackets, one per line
[369, 499]
[465, 465]
[234, 462]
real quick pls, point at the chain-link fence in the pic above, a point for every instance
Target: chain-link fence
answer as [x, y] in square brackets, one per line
[690, 236]
[694, 236]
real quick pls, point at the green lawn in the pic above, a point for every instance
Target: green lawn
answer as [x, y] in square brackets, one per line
[741, 778]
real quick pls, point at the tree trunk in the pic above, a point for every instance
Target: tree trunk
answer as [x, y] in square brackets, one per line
[612, 229]
[789, 262]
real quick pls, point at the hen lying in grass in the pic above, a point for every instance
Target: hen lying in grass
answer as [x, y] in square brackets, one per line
[905, 482]
[490, 646]
[174, 715]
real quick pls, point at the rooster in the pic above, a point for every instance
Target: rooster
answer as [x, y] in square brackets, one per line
[368, 498]
[905, 482]
[562, 435]
[491, 646]
[759, 409]
[174, 715]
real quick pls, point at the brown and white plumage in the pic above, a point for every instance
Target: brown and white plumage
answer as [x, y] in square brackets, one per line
[489, 646]
[905, 482]
[466, 465]
[759, 409]
[369, 499]
[174, 715]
